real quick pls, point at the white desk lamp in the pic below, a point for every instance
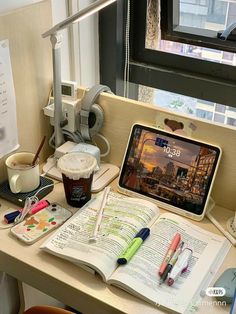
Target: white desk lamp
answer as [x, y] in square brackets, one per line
[108, 172]
[56, 39]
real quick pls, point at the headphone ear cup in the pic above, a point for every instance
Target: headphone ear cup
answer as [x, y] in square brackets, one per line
[91, 115]
[95, 120]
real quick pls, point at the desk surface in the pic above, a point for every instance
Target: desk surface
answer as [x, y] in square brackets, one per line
[75, 286]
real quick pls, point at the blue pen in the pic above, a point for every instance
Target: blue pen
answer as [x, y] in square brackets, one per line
[10, 218]
[140, 237]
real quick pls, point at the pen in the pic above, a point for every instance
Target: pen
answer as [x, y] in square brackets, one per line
[180, 266]
[40, 205]
[97, 225]
[140, 237]
[171, 263]
[174, 244]
[10, 218]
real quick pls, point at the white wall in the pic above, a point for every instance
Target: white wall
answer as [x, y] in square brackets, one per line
[9, 5]
[88, 48]
[80, 58]
[59, 13]
[80, 46]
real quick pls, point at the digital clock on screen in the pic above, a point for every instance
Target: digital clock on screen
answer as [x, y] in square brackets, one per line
[172, 151]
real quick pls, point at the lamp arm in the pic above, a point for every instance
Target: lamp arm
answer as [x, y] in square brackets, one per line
[56, 58]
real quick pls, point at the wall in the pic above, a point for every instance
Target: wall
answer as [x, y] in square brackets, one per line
[9, 301]
[9, 5]
[32, 72]
[59, 13]
[88, 48]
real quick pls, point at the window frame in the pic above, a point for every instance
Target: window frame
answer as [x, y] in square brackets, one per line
[178, 74]
[171, 30]
[111, 48]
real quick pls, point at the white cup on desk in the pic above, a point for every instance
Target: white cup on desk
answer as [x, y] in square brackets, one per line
[22, 176]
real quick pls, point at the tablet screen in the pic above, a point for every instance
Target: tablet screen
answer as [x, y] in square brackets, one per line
[169, 168]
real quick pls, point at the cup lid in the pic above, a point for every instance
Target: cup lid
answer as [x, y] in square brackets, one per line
[77, 165]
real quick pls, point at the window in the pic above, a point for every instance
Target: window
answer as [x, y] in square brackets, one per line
[231, 121]
[199, 22]
[220, 108]
[178, 69]
[188, 105]
[231, 109]
[204, 114]
[219, 118]
[207, 103]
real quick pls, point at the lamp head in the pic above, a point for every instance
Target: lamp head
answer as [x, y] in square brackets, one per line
[77, 17]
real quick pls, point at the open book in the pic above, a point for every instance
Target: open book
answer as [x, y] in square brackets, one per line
[123, 218]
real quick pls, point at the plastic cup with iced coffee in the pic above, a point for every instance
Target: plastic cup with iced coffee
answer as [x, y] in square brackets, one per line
[77, 173]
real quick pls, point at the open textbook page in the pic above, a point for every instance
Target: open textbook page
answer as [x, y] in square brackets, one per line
[140, 275]
[123, 217]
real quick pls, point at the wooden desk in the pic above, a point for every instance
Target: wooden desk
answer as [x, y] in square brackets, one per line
[73, 285]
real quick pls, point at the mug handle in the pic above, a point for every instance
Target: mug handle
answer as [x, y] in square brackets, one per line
[15, 184]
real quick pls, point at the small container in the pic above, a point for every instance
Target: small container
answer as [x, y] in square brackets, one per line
[77, 173]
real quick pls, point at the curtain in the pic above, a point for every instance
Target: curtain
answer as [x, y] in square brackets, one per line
[153, 36]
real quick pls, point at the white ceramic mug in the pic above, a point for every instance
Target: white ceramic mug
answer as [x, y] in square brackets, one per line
[22, 176]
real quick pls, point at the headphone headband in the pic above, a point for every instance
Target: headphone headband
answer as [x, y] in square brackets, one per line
[88, 106]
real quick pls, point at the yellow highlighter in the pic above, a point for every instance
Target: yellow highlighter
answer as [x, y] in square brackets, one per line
[140, 237]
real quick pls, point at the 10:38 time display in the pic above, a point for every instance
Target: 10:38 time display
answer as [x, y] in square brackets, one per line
[172, 151]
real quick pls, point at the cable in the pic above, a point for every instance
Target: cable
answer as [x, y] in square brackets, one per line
[46, 186]
[74, 136]
[49, 97]
[127, 52]
[51, 140]
[29, 203]
[80, 136]
[53, 165]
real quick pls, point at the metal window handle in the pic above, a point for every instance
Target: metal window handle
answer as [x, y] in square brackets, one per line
[229, 33]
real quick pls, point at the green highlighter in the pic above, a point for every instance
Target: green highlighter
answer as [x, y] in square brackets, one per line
[140, 237]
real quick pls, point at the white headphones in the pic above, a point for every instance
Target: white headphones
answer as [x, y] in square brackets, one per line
[91, 115]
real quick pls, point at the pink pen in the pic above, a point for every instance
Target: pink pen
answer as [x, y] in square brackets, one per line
[40, 205]
[173, 246]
